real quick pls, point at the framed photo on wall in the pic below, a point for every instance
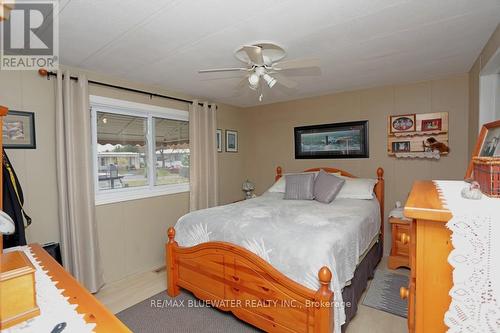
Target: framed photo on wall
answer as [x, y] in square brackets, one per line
[231, 141]
[218, 139]
[402, 123]
[19, 130]
[339, 140]
[401, 146]
[431, 124]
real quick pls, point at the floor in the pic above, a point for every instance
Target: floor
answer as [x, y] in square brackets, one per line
[127, 292]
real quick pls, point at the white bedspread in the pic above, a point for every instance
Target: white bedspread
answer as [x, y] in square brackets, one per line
[297, 237]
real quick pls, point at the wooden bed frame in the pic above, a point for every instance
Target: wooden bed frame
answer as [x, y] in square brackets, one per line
[234, 279]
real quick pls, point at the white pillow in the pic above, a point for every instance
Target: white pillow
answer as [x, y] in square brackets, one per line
[280, 185]
[357, 188]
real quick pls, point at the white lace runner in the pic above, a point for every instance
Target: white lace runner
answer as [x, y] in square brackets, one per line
[54, 307]
[475, 226]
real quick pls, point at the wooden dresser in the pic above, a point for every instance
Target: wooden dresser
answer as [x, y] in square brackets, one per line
[87, 305]
[431, 274]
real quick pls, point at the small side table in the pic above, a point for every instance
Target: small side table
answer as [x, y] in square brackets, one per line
[400, 247]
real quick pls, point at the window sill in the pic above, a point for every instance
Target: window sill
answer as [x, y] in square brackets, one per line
[116, 196]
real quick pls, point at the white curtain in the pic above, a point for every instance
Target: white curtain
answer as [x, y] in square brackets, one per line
[75, 182]
[203, 159]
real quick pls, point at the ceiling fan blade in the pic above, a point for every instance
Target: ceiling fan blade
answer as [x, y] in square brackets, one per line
[286, 82]
[254, 53]
[296, 63]
[222, 70]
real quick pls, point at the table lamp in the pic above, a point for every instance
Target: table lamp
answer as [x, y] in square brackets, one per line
[248, 188]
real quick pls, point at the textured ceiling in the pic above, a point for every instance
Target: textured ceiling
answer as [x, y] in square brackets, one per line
[361, 43]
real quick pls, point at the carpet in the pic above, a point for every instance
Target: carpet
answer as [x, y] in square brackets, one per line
[185, 314]
[383, 293]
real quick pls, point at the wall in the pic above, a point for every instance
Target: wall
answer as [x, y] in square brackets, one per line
[474, 77]
[272, 141]
[132, 233]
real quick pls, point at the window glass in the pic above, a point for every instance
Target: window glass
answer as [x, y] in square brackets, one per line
[172, 151]
[121, 151]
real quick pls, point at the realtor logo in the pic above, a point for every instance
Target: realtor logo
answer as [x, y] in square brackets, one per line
[30, 35]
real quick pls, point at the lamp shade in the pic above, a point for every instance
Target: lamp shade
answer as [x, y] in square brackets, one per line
[247, 186]
[7, 226]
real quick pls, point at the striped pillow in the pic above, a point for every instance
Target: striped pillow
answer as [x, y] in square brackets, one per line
[299, 187]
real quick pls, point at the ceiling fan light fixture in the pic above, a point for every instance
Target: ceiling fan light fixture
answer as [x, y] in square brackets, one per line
[253, 80]
[271, 81]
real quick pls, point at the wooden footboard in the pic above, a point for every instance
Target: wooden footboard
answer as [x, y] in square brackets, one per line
[234, 279]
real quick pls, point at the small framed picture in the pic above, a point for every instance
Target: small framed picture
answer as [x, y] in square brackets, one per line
[402, 123]
[401, 146]
[431, 124]
[487, 144]
[231, 141]
[218, 139]
[19, 130]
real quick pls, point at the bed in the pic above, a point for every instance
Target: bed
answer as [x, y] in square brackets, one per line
[259, 258]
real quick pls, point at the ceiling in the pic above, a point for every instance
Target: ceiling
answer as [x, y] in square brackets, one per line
[361, 43]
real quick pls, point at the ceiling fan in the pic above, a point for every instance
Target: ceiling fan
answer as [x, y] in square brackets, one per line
[263, 65]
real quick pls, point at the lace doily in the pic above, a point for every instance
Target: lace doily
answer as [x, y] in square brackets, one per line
[475, 226]
[54, 306]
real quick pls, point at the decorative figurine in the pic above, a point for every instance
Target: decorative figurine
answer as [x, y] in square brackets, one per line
[472, 192]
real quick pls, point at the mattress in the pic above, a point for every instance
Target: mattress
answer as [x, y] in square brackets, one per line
[297, 237]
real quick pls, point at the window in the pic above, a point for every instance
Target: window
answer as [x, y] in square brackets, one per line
[139, 150]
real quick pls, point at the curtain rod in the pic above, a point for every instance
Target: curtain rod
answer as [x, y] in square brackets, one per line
[48, 74]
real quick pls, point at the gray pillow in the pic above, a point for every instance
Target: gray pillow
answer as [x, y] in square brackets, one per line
[299, 187]
[327, 186]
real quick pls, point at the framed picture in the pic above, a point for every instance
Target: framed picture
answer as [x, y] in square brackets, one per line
[339, 140]
[218, 139]
[401, 146]
[231, 141]
[19, 130]
[431, 124]
[402, 123]
[487, 144]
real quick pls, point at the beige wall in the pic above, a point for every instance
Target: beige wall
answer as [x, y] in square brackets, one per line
[489, 49]
[271, 126]
[131, 233]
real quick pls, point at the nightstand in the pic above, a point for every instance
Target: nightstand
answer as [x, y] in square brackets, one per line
[400, 247]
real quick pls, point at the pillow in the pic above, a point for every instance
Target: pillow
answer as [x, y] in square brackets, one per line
[357, 188]
[299, 187]
[327, 186]
[279, 185]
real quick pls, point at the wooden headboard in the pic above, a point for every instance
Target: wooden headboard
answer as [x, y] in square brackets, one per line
[378, 189]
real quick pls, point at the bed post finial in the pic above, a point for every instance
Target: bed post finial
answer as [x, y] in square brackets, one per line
[325, 277]
[279, 173]
[324, 297]
[380, 173]
[171, 234]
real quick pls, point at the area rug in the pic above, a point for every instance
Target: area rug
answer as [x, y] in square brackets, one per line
[185, 314]
[383, 293]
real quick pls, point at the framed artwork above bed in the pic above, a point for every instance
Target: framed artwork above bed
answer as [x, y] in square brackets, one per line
[338, 140]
